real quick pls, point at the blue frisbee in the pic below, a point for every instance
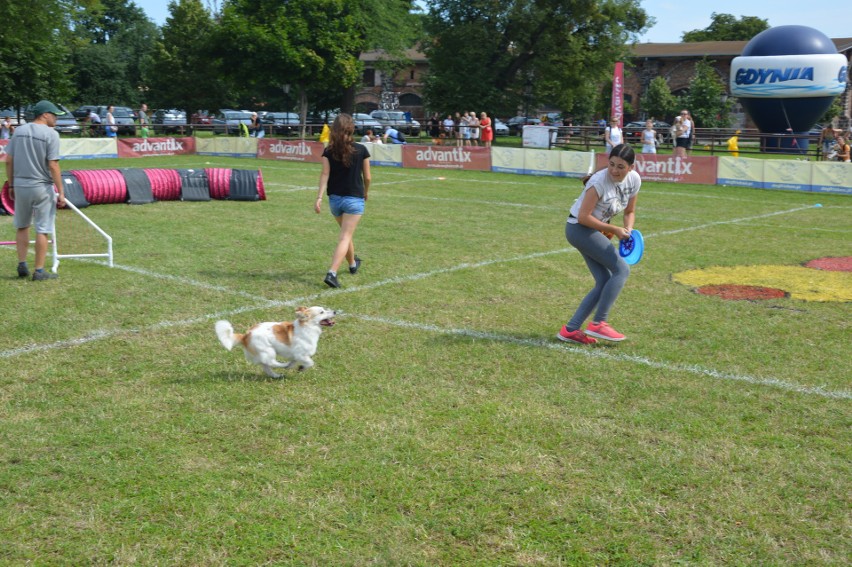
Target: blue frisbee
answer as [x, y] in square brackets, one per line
[631, 249]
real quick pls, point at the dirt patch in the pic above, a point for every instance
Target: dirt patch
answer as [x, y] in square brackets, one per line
[742, 292]
[841, 264]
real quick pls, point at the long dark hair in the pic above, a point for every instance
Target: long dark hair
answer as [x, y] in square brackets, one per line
[340, 139]
[625, 152]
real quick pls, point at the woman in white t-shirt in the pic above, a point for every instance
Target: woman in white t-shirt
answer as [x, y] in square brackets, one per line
[612, 135]
[607, 193]
[649, 138]
[683, 141]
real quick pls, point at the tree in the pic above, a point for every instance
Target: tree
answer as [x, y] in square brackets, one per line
[312, 45]
[725, 27]
[501, 54]
[183, 74]
[34, 60]
[705, 99]
[658, 101]
[112, 48]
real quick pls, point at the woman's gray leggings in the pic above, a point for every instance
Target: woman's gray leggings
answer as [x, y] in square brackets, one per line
[608, 268]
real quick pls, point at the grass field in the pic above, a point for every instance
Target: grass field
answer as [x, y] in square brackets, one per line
[443, 423]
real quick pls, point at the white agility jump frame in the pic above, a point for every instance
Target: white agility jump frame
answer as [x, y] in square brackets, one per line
[55, 250]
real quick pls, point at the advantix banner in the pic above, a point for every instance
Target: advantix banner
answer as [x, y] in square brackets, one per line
[446, 157]
[143, 147]
[668, 168]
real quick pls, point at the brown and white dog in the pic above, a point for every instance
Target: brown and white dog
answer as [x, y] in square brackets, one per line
[294, 341]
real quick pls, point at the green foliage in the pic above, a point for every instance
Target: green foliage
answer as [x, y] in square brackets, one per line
[112, 52]
[183, 74]
[491, 54]
[313, 45]
[33, 59]
[704, 98]
[658, 102]
[725, 27]
[835, 110]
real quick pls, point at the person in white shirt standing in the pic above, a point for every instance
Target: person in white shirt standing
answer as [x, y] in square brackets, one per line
[589, 228]
[683, 141]
[612, 135]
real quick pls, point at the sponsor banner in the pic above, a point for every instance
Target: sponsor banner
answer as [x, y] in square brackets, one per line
[742, 172]
[790, 175]
[507, 160]
[538, 136]
[385, 154]
[446, 157]
[290, 150]
[576, 164]
[226, 146]
[543, 162]
[663, 167]
[785, 76]
[617, 107]
[831, 177]
[87, 148]
[3, 144]
[143, 147]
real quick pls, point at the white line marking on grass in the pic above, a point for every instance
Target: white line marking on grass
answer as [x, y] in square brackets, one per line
[598, 353]
[732, 221]
[472, 201]
[262, 303]
[179, 279]
[111, 333]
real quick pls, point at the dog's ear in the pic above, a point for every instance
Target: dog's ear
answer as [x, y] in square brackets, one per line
[303, 313]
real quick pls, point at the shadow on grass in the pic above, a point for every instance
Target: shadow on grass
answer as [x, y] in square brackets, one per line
[249, 375]
[271, 275]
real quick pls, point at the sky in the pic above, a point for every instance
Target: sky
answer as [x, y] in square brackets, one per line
[674, 17]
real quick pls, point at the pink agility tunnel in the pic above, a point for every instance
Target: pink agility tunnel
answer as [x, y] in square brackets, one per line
[105, 186]
[7, 205]
[219, 180]
[102, 186]
[165, 184]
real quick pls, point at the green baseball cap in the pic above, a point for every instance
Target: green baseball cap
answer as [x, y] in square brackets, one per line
[43, 106]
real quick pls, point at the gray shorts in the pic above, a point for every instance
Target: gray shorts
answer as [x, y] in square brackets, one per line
[35, 203]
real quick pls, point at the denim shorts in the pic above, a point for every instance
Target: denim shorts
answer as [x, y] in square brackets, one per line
[340, 205]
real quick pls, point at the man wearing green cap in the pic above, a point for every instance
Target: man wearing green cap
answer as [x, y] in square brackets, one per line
[32, 168]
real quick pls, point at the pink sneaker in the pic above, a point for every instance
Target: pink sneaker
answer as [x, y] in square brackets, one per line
[577, 336]
[603, 331]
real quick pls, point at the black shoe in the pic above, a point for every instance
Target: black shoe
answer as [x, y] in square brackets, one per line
[331, 280]
[23, 271]
[41, 276]
[354, 269]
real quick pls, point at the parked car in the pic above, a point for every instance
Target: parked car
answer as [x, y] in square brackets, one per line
[517, 123]
[500, 128]
[82, 112]
[398, 119]
[633, 131]
[123, 119]
[202, 118]
[228, 121]
[65, 124]
[168, 120]
[280, 123]
[364, 122]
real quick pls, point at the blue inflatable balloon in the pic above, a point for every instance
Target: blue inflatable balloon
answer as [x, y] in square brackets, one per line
[787, 77]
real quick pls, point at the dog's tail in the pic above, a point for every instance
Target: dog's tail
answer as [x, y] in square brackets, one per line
[226, 334]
